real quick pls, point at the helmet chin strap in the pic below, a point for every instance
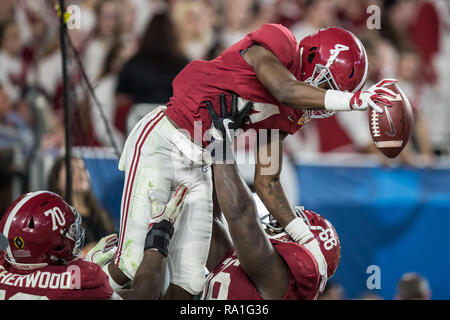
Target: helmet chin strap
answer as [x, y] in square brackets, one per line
[270, 225]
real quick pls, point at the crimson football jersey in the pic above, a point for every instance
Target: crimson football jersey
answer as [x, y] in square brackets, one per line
[202, 80]
[228, 281]
[79, 280]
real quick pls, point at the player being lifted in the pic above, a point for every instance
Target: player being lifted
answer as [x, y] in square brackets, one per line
[295, 268]
[286, 82]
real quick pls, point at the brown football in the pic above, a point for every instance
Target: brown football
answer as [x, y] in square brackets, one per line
[391, 129]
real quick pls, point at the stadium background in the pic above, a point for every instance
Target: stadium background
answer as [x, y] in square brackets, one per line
[390, 214]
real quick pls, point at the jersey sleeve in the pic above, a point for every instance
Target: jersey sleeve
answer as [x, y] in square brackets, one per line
[303, 269]
[278, 39]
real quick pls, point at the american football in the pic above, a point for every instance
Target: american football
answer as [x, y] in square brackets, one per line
[391, 129]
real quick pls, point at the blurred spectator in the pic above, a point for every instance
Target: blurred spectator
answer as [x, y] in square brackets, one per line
[369, 295]
[436, 97]
[413, 286]
[147, 77]
[333, 291]
[6, 10]
[106, 32]
[408, 74]
[14, 131]
[194, 23]
[89, 20]
[318, 14]
[12, 74]
[96, 220]
[352, 14]
[105, 89]
[288, 12]
[128, 20]
[237, 17]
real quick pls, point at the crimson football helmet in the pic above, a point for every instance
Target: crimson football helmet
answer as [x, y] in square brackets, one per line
[334, 56]
[322, 230]
[41, 229]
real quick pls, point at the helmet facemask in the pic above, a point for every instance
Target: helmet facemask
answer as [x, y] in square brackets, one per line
[76, 233]
[321, 75]
[73, 241]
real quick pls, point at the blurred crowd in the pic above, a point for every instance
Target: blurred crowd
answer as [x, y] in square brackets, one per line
[132, 49]
[411, 286]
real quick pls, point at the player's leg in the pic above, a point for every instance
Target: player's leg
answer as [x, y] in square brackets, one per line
[189, 246]
[147, 167]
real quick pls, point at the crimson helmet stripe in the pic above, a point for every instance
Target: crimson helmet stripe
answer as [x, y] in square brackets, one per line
[11, 217]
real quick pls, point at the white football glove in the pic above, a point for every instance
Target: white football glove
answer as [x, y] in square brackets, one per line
[103, 252]
[314, 248]
[363, 100]
[171, 210]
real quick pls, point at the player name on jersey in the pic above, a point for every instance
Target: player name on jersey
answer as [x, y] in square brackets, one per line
[42, 280]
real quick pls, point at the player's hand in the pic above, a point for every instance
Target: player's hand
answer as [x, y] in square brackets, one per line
[169, 211]
[314, 248]
[104, 250]
[228, 122]
[363, 100]
[163, 217]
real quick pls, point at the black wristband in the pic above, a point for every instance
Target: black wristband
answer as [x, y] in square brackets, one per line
[159, 237]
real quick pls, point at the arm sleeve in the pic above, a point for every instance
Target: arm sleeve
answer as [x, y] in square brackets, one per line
[278, 39]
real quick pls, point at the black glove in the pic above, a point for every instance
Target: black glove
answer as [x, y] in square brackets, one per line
[226, 123]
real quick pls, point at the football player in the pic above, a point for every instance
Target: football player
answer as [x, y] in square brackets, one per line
[286, 82]
[41, 241]
[239, 266]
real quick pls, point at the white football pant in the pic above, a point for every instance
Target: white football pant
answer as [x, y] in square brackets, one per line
[158, 156]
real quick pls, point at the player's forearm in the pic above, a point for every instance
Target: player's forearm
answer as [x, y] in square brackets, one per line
[233, 194]
[271, 192]
[287, 90]
[285, 87]
[300, 95]
[149, 279]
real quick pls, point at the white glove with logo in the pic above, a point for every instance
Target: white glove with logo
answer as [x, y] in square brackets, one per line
[361, 100]
[171, 210]
[103, 252]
